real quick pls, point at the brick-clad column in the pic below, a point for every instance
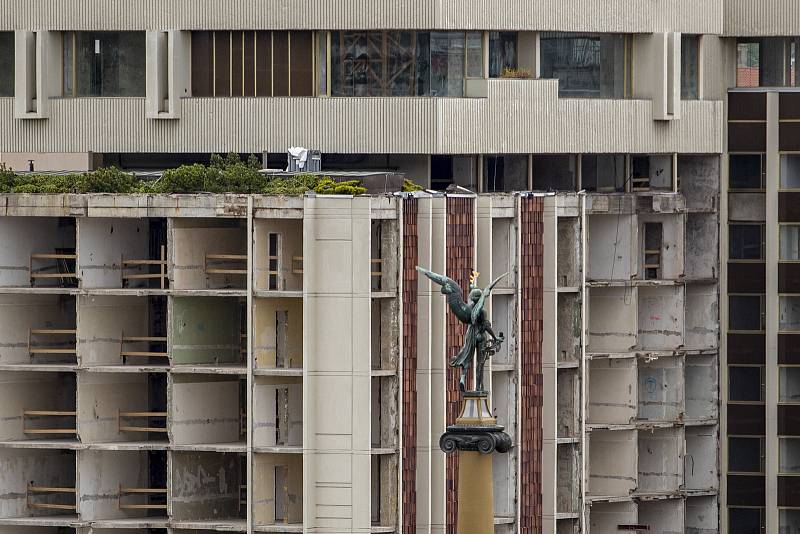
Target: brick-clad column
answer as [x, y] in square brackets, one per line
[531, 366]
[460, 250]
[409, 392]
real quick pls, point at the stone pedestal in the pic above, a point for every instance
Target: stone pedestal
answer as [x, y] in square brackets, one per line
[476, 436]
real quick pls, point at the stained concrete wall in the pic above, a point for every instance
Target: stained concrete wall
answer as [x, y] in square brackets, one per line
[612, 319]
[103, 321]
[205, 330]
[612, 245]
[104, 243]
[35, 391]
[385, 342]
[101, 475]
[203, 409]
[265, 487]
[267, 411]
[570, 252]
[661, 317]
[267, 322]
[699, 181]
[660, 462]
[702, 387]
[661, 389]
[40, 467]
[700, 467]
[569, 325]
[18, 316]
[336, 357]
[607, 516]
[702, 515]
[702, 239]
[291, 245]
[612, 395]
[23, 236]
[612, 469]
[192, 239]
[702, 316]
[663, 516]
[204, 485]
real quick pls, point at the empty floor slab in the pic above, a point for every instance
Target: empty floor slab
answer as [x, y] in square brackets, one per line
[278, 333]
[122, 330]
[122, 484]
[112, 252]
[37, 405]
[205, 409]
[37, 482]
[278, 412]
[205, 486]
[120, 407]
[37, 251]
[208, 253]
[205, 330]
[38, 329]
[278, 489]
[278, 251]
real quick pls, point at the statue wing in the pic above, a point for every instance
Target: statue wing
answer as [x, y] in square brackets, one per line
[455, 295]
[486, 292]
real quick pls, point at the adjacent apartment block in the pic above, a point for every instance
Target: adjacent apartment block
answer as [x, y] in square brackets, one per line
[209, 363]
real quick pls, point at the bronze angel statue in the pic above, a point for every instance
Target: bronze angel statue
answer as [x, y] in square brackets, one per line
[473, 314]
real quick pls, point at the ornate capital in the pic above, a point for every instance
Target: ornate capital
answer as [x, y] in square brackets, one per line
[483, 439]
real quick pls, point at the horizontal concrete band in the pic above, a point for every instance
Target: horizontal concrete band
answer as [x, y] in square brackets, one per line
[762, 17]
[688, 16]
[517, 116]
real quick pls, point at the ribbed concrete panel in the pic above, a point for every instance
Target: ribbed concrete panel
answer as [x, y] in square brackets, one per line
[523, 116]
[761, 17]
[689, 16]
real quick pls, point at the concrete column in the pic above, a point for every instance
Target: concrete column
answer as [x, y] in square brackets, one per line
[167, 72]
[528, 52]
[36, 62]
[771, 378]
[549, 367]
[336, 364]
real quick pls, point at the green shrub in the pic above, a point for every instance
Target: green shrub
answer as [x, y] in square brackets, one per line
[228, 174]
[410, 186]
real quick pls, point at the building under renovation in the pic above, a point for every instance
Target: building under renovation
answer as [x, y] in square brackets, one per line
[205, 363]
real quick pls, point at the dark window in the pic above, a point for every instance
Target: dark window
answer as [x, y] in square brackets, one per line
[202, 64]
[280, 63]
[653, 237]
[273, 261]
[252, 63]
[588, 65]
[745, 312]
[747, 171]
[746, 455]
[441, 172]
[690, 64]
[746, 242]
[502, 52]
[746, 520]
[602, 172]
[108, 64]
[6, 63]
[745, 384]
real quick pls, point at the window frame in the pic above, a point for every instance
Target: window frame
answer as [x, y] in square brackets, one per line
[762, 385]
[780, 297]
[763, 175]
[763, 320]
[763, 249]
[762, 455]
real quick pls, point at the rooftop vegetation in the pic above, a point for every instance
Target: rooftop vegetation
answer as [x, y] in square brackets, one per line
[228, 174]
